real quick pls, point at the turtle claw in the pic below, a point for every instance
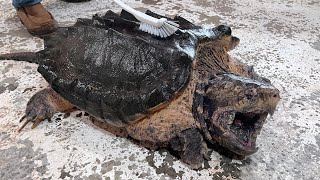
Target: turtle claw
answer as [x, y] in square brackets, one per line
[42, 115]
[22, 118]
[38, 120]
[25, 123]
[38, 109]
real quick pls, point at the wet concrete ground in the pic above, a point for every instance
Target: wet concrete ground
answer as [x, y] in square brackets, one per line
[280, 39]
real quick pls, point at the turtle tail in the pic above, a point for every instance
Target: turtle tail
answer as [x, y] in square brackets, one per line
[32, 57]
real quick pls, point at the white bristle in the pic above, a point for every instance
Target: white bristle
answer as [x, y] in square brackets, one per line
[164, 31]
[158, 27]
[170, 29]
[154, 30]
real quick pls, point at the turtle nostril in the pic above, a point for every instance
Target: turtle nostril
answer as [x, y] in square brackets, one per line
[276, 96]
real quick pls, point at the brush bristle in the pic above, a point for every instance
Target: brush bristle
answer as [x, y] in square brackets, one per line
[167, 29]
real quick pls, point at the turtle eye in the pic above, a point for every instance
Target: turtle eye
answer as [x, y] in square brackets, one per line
[225, 29]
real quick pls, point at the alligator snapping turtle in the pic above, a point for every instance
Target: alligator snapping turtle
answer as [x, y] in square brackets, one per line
[181, 92]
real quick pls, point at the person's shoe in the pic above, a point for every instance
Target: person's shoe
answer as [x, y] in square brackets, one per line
[37, 19]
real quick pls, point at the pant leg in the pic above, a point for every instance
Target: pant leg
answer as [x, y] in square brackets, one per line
[21, 3]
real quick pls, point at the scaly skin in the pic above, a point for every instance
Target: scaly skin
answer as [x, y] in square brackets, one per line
[219, 88]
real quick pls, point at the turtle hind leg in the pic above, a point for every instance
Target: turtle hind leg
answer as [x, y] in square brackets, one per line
[43, 105]
[191, 147]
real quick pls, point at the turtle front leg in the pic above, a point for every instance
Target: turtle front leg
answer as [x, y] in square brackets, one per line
[191, 147]
[43, 105]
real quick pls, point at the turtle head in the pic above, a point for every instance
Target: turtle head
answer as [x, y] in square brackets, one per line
[226, 40]
[235, 109]
[218, 37]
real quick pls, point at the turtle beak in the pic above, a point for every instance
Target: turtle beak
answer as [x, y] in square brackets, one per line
[273, 101]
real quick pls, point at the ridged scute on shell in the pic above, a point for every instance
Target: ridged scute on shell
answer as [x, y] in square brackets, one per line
[109, 68]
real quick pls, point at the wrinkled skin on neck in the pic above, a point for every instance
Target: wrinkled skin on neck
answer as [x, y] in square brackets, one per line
[231, 102]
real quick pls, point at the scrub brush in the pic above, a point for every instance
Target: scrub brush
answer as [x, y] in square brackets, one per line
[158, 27]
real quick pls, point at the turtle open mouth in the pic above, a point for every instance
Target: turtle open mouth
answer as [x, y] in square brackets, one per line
[246, 126]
